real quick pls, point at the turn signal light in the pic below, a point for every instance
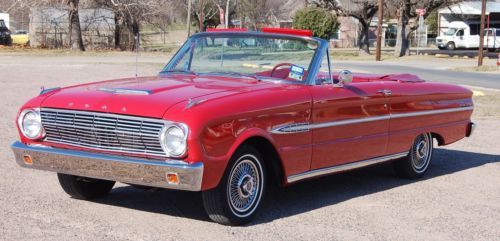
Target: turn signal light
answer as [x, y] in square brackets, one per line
[27, 160]
[173, 178]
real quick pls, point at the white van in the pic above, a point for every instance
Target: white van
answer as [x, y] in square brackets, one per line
[458, 36]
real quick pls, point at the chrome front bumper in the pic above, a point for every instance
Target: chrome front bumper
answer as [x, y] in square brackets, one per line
[109, 167]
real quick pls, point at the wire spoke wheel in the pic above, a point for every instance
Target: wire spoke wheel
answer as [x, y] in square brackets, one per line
[244, 186]
[416, 163]
[237, 198]
[421, 152]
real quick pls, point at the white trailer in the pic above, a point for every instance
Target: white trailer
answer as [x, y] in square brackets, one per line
[6, 19]
[458, 35]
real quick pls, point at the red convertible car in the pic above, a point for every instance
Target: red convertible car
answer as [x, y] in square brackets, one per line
[231, 113]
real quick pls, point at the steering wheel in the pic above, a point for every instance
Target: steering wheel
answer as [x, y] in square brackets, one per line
[279, 66]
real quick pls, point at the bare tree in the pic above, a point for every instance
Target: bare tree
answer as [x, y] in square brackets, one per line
[129, 14]
[408, 19]
[362, 10]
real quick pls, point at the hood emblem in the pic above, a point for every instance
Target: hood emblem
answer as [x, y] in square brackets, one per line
[192, 103]
[121, 91]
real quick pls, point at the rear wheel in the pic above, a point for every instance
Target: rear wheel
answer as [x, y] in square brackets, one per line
[83, 187]
[417, 162]
[239, 194]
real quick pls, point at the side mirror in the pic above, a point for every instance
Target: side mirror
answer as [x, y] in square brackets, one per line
[345, 77]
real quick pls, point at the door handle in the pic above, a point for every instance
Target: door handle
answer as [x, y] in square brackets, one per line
[385, 92]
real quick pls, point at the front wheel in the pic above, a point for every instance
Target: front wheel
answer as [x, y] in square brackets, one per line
[416, 163]
[237, 197]
[83, 187]
[450, 46]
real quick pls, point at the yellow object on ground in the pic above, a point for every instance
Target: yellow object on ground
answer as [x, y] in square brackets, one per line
[478, 93]
[20, 39]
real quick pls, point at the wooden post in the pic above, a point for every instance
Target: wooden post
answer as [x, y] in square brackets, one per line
[226, 17]
[481, 35]
[201, 15]
[379, 29]
[188, 23]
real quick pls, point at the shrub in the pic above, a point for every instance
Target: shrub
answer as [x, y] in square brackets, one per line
[320, 21]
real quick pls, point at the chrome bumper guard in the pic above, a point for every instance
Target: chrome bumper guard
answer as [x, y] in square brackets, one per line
[109, 167]
[470, 129]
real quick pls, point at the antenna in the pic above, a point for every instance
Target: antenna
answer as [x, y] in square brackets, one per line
[136, 54]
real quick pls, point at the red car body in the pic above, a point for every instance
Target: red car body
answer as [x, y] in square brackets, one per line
[232, 111]
[304, 130]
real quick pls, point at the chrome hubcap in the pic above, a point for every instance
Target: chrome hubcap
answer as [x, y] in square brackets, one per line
[244, 186]
[421, 152]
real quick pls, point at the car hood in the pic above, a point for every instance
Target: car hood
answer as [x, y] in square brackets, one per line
[145, 96]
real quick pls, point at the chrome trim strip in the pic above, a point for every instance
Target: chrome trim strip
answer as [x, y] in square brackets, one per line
[350, 121]
[344, 167]
[292, 128]
[120, 91]
[110, 167]
[431, 112]
[303, 127]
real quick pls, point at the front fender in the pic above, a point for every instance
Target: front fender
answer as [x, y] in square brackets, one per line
[215, 166]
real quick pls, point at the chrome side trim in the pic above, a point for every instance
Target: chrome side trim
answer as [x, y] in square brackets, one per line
[350, 121]
[292, 128]
[432, 112]
[303, 127]
[110, 167]
[344, 167]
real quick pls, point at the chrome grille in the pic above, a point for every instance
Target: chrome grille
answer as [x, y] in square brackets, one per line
[108, 132]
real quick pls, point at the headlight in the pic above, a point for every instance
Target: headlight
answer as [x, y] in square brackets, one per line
[173, 139]
[30, 124]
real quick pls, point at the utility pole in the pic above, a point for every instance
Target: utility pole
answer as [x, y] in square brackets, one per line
[189, 19]
[481, 35]
[379, 29]
[202, 3]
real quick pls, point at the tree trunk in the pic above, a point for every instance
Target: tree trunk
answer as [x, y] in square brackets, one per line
[363, 40]
[117, 30]
[134, 40]
[403, 31]
[75, 31]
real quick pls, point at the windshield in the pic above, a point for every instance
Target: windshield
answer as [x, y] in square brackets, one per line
[260, 57]
[450, 31]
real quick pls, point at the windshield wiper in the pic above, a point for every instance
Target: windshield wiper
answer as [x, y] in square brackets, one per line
[178, 71]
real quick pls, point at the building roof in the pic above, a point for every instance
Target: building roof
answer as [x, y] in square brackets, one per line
[472, 7]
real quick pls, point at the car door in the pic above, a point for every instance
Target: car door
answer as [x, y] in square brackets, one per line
[350, 123]
[460, 41]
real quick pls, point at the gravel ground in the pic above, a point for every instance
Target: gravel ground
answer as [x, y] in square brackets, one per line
[458, 200]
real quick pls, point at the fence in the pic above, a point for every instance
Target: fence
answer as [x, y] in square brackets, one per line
[391, 42]
[49, 28]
